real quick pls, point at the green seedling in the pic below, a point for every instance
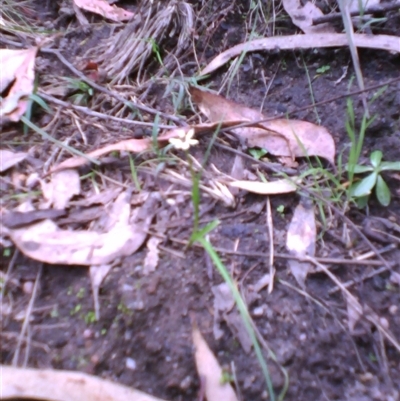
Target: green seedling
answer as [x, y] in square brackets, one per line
[361, 190]
[226, 377]
[90, 317]
[281, 210]
[258, 153]
[83, 91]
[323, 69]
[76, 310]
[156, 51]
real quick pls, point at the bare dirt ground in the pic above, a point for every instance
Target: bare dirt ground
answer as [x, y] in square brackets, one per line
[143, 337]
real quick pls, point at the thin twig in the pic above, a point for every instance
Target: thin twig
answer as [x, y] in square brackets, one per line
[113, 94]
[284, 256]
[93, 113]
[27, 317]
[355, 304]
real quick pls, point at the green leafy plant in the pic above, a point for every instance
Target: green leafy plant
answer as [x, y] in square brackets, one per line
[258, 153]
[83, 91]
[90, 317]
[356, 139]
[361, 190]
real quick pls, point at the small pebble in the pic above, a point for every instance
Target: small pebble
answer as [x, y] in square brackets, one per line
[259, 311]
[130, 364]
[185, 383]
[27, 287]
[303, 337]
[87, 333]
[95, 359]
[384, 322]
[393, 309]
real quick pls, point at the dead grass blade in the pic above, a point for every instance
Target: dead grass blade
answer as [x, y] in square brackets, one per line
[381, 42]
[282, 186]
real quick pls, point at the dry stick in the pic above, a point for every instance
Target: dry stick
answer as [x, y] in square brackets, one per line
[350, 298]
[309, 41]
[27, 317]
[378, 9]
[348, 284]
[344, 8]
[271, 246]
[92, 113]
[102, 89]
[284, 256]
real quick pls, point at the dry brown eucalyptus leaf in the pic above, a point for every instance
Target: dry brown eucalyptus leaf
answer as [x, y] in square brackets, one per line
[210, 371]
[59, 385]
[281, 137]
[104, 9]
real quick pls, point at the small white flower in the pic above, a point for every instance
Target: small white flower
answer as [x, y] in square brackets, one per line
[184, 141]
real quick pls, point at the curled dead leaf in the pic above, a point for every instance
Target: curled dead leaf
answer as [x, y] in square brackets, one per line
[17, 70]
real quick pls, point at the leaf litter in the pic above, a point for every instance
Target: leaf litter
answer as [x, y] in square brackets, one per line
[122, 233]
